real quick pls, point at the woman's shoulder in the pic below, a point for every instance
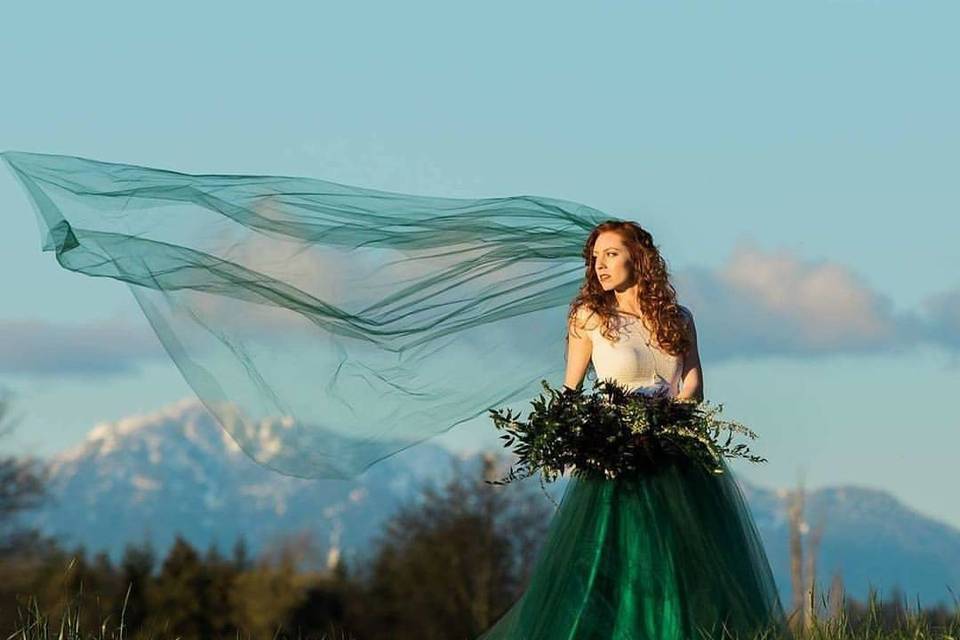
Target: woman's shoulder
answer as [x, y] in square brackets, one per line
[583, 317]
[685, 313]
[689, 325]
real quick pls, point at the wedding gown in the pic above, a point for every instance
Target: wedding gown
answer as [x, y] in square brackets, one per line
[672, 553]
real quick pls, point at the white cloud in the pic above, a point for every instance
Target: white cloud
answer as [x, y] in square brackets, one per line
[943, 313]
[112, 347]
[759, 303]
[776, 303]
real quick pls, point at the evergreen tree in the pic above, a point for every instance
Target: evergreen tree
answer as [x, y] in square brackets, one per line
[179, 597]
[219, 600]
[241, 554]
[136, 567]
[321, 610]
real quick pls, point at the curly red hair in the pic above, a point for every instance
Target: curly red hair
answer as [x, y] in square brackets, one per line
[657, 298]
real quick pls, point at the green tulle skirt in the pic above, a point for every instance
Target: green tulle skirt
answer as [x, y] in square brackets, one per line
[669, 553]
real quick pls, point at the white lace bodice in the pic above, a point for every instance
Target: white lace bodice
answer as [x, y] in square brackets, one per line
[631, 362]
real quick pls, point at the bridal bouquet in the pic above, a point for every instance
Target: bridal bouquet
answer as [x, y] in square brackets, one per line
[613, 431]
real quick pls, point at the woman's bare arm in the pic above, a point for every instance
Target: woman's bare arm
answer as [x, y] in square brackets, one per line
[579, 349]
[692, 376]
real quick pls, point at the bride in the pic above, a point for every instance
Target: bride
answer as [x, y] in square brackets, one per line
[672, 553]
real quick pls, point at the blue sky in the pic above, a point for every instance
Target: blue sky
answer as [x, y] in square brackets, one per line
[795, 163]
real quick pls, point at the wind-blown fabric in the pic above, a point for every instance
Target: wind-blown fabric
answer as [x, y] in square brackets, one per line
[325, 326]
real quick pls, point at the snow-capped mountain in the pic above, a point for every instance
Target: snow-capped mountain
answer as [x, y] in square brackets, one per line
[177, 471]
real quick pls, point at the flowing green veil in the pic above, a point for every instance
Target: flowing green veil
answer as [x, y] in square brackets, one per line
[325, 326]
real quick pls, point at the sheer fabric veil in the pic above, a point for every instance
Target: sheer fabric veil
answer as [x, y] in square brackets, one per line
[325, 326]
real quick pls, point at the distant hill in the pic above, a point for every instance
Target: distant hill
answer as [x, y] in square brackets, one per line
[176, 471]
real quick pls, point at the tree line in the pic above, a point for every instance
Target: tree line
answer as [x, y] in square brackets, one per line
[446, 565]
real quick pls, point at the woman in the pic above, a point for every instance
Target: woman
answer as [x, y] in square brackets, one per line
[668, 554]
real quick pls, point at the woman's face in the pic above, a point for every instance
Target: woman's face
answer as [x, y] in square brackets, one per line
[612, 264]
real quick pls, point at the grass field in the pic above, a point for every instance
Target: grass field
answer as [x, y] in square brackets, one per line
[875, 621]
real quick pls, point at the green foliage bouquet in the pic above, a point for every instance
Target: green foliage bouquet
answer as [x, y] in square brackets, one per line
[614, 431]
